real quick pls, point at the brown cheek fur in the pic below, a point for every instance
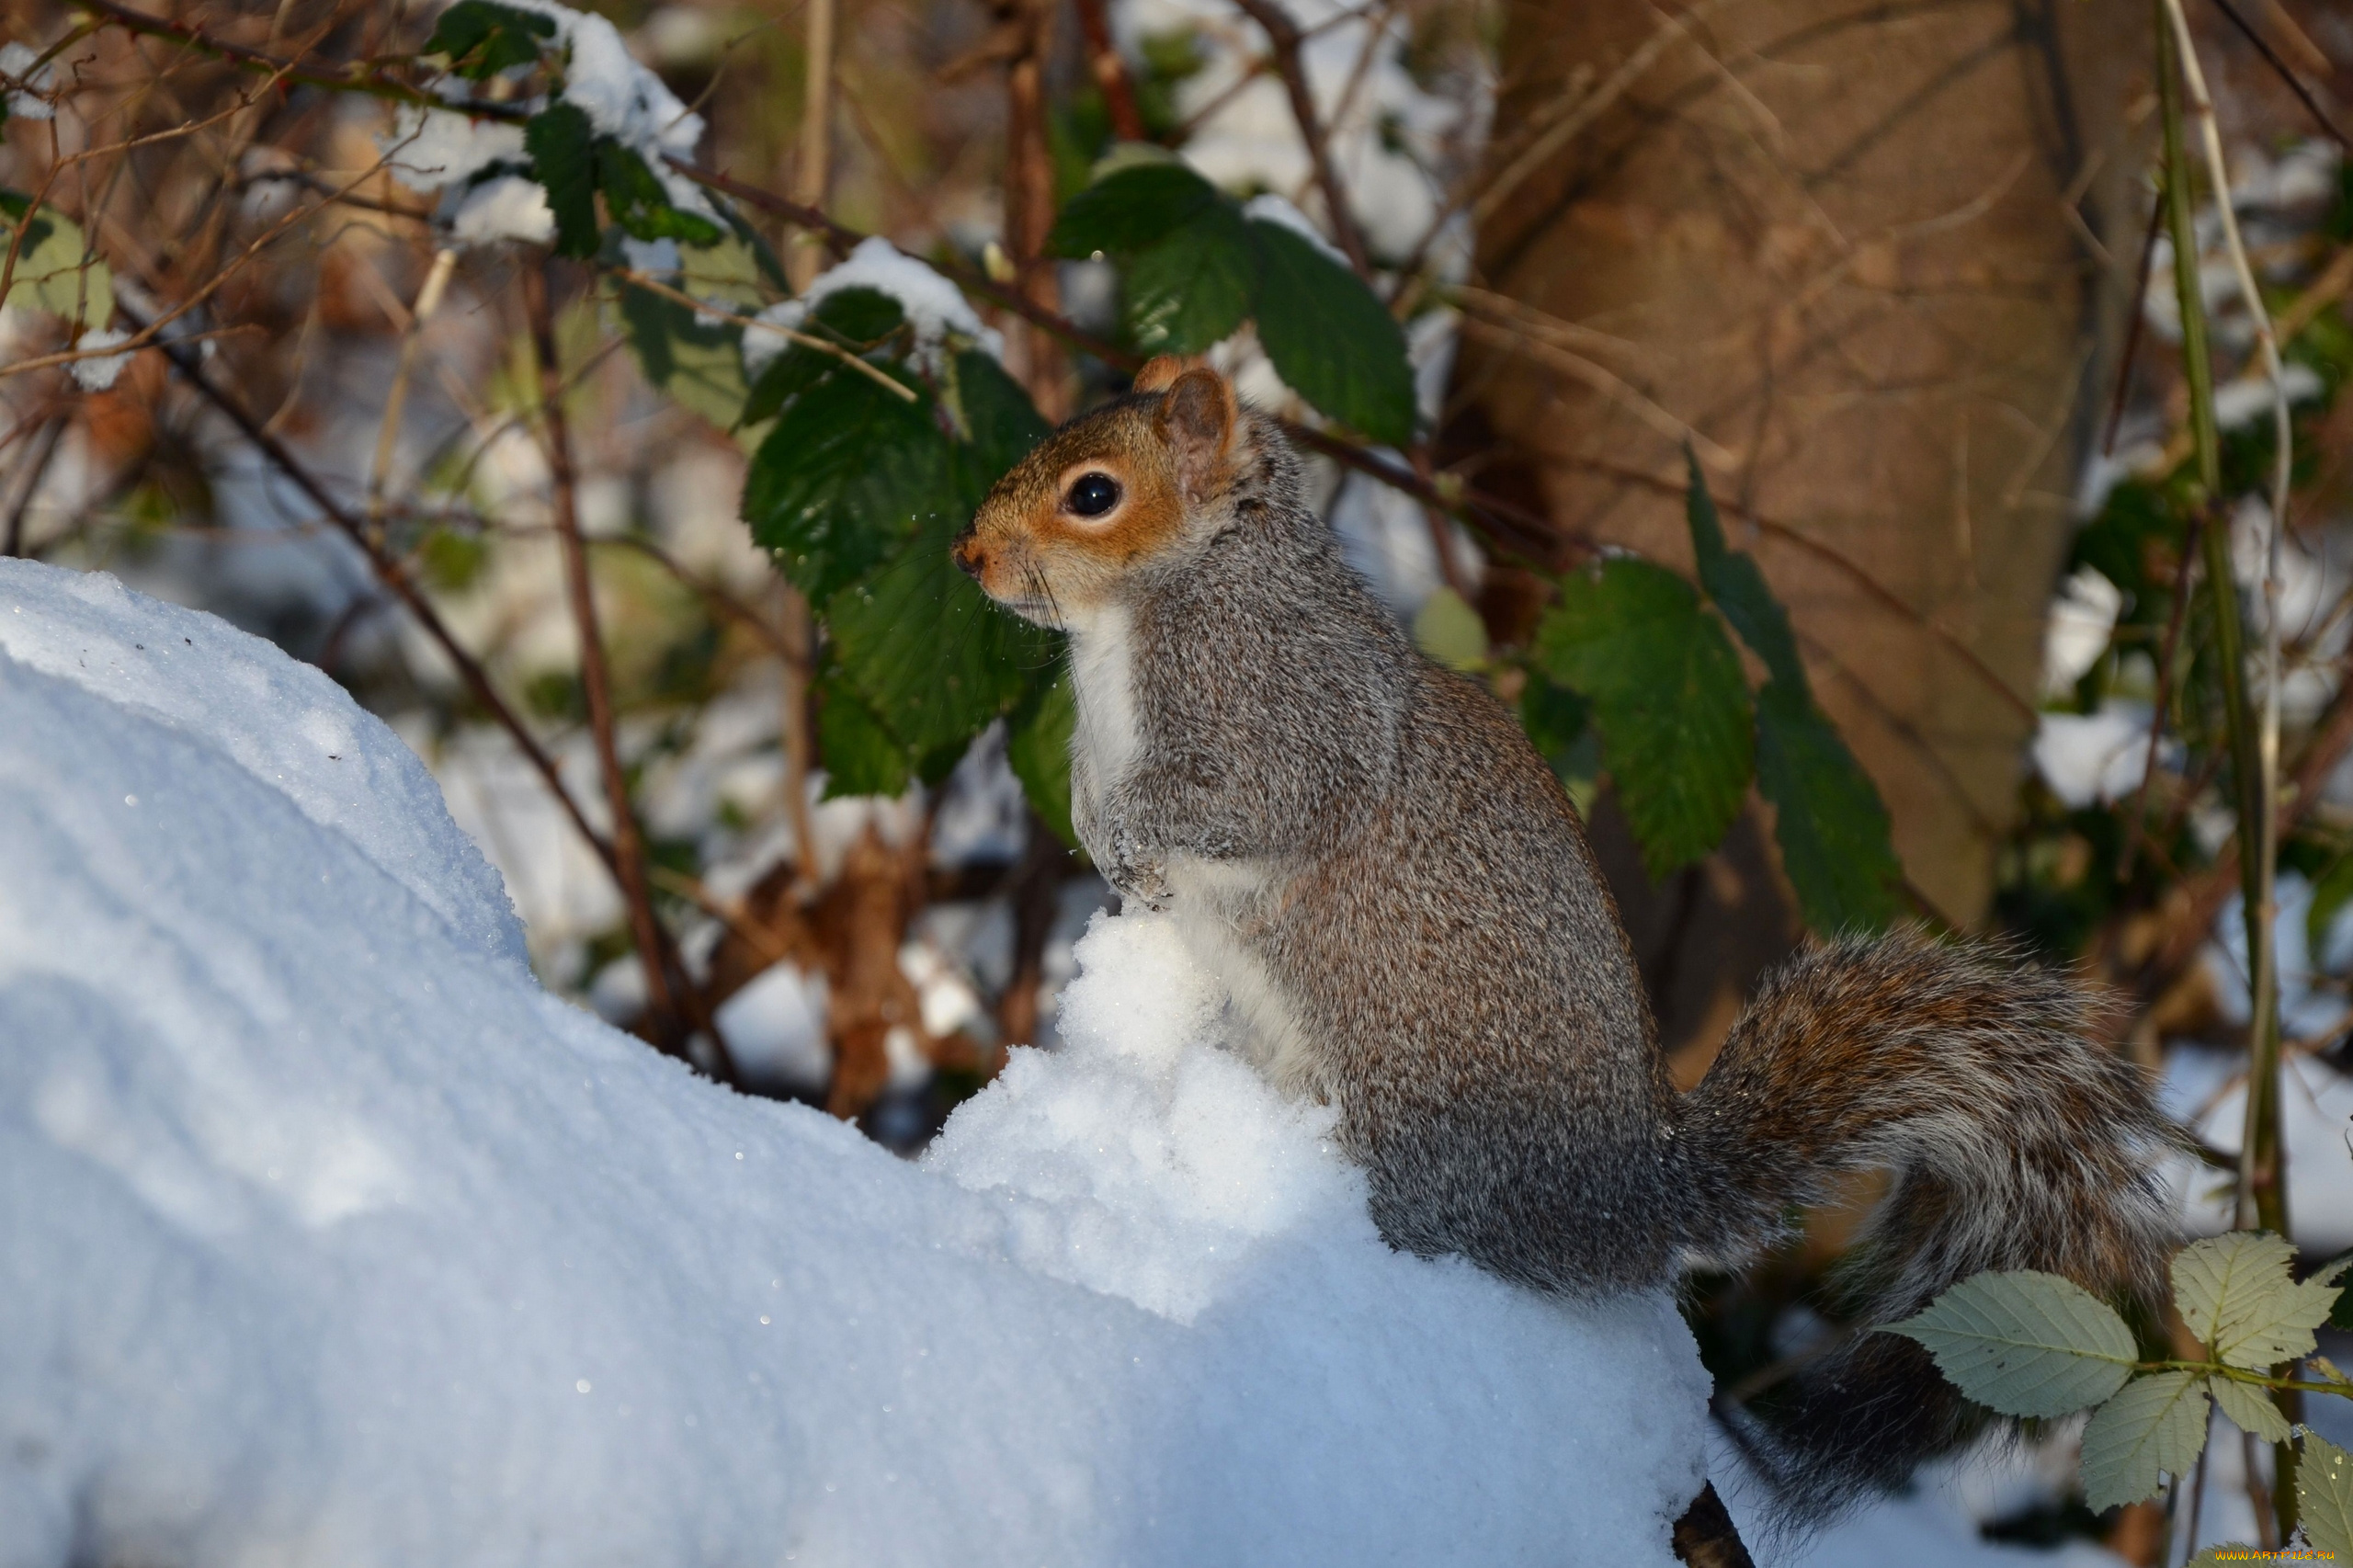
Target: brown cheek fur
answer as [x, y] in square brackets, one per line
[1022, 522]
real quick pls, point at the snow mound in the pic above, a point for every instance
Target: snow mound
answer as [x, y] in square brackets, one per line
[326, 1236]
[942, 318]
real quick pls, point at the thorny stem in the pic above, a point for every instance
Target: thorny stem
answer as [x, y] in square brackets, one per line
[1284, 34]
[2255, 746]
[595, 678]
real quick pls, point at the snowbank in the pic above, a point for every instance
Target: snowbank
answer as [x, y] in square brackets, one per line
[326, 1236]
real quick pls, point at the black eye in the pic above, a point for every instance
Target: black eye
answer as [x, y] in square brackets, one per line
[1094, 495]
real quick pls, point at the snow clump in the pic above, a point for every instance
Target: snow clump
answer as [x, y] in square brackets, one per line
[942, 318]
[331, 1237]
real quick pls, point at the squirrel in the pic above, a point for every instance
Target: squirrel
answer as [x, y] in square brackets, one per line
[1402, 901]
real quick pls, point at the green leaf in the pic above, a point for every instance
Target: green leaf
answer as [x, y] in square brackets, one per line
[564, 160]
[1667, 694]
[1128, 210]
[857, 317]
[1193, 287]
[482, 38]
[697, 365]
[50, 275]
[998, 415]
[1738, 588]
[1331, 340]
[2237, 1296]
[2324, 1497]
[862, 756]
[2329, 894]
[926, 649]
[839, 482]
[2249, 1408]
[1037, 744]
[2025, 1343]
[638, 202]
[1449, 630]
[2154, 1428]
[1828, 819]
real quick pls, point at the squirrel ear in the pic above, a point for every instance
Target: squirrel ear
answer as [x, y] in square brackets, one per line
[1159, 374]
[1195, 418]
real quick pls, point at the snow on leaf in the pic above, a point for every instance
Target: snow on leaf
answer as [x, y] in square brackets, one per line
[2155, 1427]
[2238, 1298]
[2025, 1343]
[2324, 1496]
[2250, 1410]
[482, 38]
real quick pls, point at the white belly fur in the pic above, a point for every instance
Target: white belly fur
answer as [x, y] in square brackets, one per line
[1103, 682]
[1213, 901]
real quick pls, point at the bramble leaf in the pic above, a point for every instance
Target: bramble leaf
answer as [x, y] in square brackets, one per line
[638, 202]
[862, 757]
[1828, 819]
[1451, 631]
[1037, 745]
[926, 649]
[50, 275]
[840, 481]
[2237, 1296]
[2249, 1408]
[1732, 579]
[1330, 339]
[2155, 1427]
[564, 160]
[1002, 422]
[1667, 694]
[1131, 208]
[482, 39]
[1194, 286]
[2025, 1343]
[698, 365]
[2324, 1496]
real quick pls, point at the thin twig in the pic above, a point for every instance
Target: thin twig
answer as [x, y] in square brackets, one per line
[2295, 84]
[595, 679]
[1283, 34]
[388, 432]
[636, 280]
[2132, 328]
[1110, 72]
[2137, 829]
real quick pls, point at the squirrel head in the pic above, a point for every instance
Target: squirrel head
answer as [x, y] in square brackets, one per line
[1131, 483]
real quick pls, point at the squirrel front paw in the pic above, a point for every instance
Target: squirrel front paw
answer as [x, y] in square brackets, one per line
[1136, 871]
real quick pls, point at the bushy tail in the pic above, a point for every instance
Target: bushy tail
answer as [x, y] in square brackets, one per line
[2014, 1140]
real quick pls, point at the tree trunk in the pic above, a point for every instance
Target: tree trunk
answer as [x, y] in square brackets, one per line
[1870, 256]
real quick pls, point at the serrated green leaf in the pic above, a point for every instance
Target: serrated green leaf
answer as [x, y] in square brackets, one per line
[1828, 818]
[1193, 287]
[857, 317]
[2249, 1409]
[861, 755]
[564, 160]
[2324, 1496]
[926, 649]
[641, 204]
[1449, 630]
[51, 272]
[482, 38]
[1732, 579]
[1667, 694]
[997, 415]
[840, 481]
[2237, 1296]
[697, 365]
[1330, 339]
[2155, 1427]
[1037, 745]
[1130, 209]
[2025, 1343]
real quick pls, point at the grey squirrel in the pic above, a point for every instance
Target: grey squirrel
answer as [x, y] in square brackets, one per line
[1401, 898]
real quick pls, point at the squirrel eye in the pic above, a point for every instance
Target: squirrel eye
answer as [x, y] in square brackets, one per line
[1094, 495]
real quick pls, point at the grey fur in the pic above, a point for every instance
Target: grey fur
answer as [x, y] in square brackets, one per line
[1369, 850]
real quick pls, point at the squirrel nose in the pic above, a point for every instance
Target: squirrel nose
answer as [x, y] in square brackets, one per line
[970, 555]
